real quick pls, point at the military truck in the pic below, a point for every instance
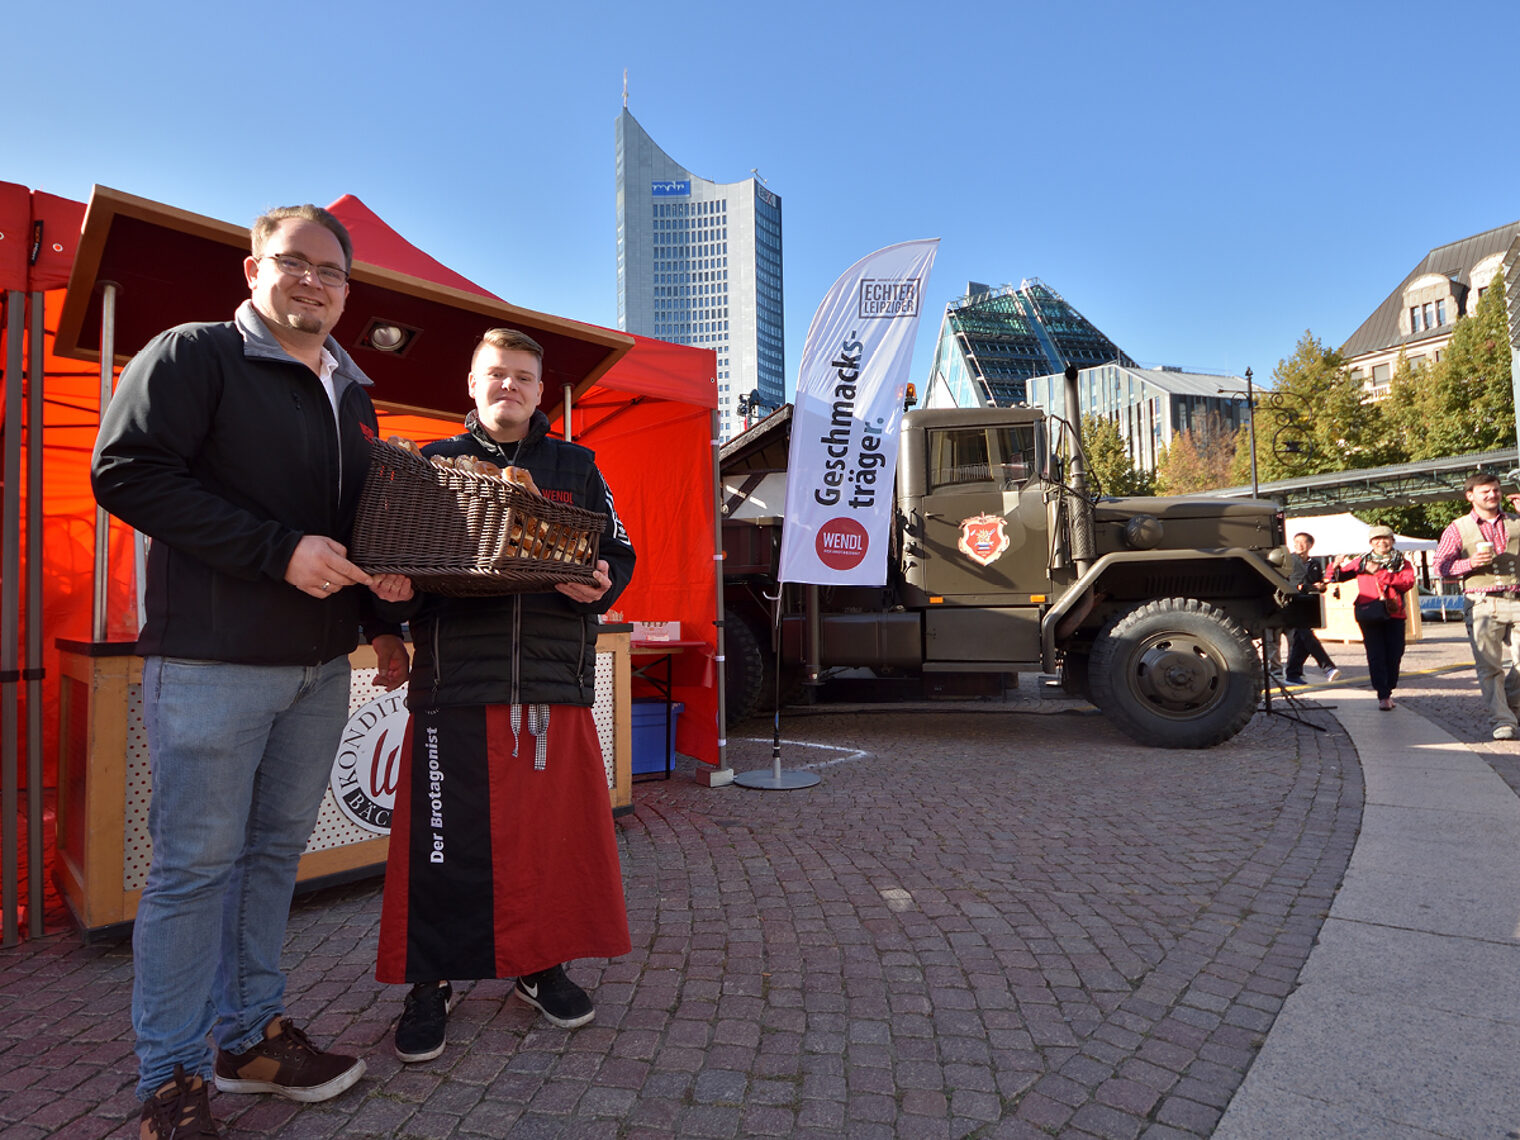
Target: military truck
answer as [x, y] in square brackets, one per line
[1002, 562]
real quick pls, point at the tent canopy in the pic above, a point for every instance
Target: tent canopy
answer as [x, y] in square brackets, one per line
[39, 235]
[1346, 534]
[150, 251]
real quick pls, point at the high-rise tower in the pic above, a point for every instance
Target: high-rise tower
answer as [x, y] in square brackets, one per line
[699, 263]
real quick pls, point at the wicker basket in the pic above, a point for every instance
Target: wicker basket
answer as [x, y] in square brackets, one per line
[466, 535]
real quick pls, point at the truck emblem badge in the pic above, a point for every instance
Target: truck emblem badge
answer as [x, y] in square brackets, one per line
[983, 538]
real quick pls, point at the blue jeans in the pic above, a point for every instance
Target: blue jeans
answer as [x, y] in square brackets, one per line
[240, 756]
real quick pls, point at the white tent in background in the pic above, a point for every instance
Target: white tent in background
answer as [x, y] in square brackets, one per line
[1346, 534]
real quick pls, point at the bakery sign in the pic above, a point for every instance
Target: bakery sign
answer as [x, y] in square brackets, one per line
[983, 538]
[368, 764]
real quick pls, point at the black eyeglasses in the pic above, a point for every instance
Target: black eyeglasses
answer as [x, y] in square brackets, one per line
[294, 265]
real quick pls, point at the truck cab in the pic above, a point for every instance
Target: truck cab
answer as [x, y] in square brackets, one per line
[973, 530]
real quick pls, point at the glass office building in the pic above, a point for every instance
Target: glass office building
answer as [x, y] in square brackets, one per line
[1148, 405]
[699, 263]
[993, 341]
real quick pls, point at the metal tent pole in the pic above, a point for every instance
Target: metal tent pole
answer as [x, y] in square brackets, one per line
[34, 671]
[10, 598]
[102, 519]
[723, 774]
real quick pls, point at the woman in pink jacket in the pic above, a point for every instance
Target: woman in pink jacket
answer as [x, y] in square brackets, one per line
[1383, 576]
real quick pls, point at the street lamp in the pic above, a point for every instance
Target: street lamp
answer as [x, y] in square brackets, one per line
[1250, 395]
[749, 405]
[1290, 441]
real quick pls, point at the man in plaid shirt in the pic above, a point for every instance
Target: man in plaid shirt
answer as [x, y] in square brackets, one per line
[1481, 549]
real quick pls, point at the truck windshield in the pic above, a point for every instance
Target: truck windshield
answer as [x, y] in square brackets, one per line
[998, 458]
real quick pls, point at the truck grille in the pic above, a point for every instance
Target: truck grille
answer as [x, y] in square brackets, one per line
[1188, 584]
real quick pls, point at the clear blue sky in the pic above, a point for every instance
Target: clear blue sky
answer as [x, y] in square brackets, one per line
[1204, 181]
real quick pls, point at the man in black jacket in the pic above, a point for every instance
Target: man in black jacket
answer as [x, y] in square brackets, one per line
[503, 861]
[1308, 576]
[239, 449]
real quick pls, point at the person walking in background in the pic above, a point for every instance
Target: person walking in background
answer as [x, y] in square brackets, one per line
[1481, 549]
[240, 448]
[1383, 576]
[1303, 643]
[503, 859]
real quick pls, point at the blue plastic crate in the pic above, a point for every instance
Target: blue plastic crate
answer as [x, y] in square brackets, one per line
[648, 722]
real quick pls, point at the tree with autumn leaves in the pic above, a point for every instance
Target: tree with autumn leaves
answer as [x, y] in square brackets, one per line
[1109, 465]
[1197, 459]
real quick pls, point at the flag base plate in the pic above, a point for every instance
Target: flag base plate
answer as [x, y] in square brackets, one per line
[776, 781]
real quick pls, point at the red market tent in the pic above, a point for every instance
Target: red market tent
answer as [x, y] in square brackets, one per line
[633, 400]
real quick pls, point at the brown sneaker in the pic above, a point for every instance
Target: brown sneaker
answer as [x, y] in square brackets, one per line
[287, 1063]
[178, 1110]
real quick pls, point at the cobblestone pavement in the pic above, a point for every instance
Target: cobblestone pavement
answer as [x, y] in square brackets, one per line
[983, 921]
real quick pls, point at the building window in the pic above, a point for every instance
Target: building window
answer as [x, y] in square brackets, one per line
[1414, 318]
[1430, 312]
[1440, 312]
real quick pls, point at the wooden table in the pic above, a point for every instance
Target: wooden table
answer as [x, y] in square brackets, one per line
[653, 653]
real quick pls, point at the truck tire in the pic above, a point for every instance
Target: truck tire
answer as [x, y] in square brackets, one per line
[743, 668]
[1176, 673]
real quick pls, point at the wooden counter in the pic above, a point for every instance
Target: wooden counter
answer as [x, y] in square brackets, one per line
[1340, 620]
[104, 785]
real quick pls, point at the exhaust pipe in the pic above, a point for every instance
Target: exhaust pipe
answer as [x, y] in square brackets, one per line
[1083, 548]
[1078, 470]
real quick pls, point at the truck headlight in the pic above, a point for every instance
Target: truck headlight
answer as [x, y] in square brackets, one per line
[1143, 532]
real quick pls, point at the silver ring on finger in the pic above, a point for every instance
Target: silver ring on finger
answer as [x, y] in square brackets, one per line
[326, 586]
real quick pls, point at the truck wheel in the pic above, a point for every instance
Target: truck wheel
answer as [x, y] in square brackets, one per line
[743, 668]
[1176, 673]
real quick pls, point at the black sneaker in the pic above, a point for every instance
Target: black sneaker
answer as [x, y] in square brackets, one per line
[420, 1030]
[180, 1108]
[559, 999]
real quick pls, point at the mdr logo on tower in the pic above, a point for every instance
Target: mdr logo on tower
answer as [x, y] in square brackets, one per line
[846, 416]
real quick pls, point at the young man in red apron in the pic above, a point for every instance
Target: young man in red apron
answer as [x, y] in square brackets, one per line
[503, 861]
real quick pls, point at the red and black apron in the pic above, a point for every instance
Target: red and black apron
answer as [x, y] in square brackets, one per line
[503, 859]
